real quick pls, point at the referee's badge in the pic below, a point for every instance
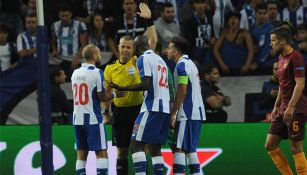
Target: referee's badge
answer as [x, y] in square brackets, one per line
[131, 71]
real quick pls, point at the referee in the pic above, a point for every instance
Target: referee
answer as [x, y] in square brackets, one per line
[125, 110]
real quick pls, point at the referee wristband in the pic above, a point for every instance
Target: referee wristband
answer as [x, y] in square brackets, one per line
[149, 22]
[114, 94]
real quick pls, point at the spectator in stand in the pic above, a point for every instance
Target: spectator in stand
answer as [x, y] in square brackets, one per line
[127, 24]
[198, 30]
[270, 91]
[236, 37]
[61, 107]
[294, 13]
[213, 97]
[272, 8]
[301, 32]
[261, 36]
[221, 8]
[10, 13]
[97, 36]
[166, 25]
[26, 41]
[31, 6]
[69, 37]
[248, 14]
[8, 50]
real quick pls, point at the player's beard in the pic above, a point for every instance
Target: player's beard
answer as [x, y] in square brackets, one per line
[277, 51]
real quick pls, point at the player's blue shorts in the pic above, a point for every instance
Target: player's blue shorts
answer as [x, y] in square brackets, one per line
[151, 127]
[90, 137]
[187, 134]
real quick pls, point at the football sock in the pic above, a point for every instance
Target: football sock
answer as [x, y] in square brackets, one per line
[280, 161]
[80, 167]
[179, 163]
[300, 163]
[122, 166]
[158, 165]
[193, 163]
[102, 166]
[140, 163]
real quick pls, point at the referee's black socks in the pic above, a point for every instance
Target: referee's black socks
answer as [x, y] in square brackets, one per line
[122, 167]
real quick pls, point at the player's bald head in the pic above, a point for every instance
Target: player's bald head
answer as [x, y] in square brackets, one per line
[89, 51]
[140, 44]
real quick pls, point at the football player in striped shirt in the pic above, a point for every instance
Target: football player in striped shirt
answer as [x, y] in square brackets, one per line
[188, 111]
[88, 90]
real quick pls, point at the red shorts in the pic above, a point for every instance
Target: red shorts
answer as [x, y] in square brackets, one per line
[295, 131]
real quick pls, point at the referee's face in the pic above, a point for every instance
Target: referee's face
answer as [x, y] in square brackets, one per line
[125, 48]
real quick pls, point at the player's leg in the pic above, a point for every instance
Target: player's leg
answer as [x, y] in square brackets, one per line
[278, 130]
[82, 148]
[296, 131]
[137, 145]
[122, 126]
[179, 154]
[97, 142]
[157, 159]
[193, 130]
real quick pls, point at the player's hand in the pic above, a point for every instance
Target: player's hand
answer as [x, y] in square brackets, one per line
[288, 114]
[274, 113]
[107, 119]
[112, 85]
[173, 120]
[145, 11]
[119, 93]
[225, 69]
[244, 69]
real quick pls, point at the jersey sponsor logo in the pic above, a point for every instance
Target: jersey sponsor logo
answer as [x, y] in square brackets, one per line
[205, 156]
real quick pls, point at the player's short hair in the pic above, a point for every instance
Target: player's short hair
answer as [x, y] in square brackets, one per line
[88, 51]
[127, 38]
[55, 72]
[283, 33]
[31, 15]
[181, 44]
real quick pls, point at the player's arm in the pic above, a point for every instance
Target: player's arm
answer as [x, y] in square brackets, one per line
[180, 95]
[151, 31]
[298, 90]
[144, 85]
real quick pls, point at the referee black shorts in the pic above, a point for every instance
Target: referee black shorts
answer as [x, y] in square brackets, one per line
[122, 124]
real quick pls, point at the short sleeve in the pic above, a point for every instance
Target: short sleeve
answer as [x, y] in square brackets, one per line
[100, 81]
[180, 68]
[143, 67]
[298, 65]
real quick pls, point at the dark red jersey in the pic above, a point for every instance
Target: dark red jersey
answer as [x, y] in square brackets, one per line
[289, 68]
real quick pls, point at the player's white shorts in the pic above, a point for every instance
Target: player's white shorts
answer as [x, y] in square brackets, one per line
[187, 134]
[90, 137]
[151, 127]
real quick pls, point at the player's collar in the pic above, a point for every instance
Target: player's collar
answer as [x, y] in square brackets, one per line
[87, 65]
[183, 57]
[149, 51]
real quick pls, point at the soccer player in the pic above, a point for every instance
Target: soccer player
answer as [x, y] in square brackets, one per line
[151, 125]
[124, 72]
[188, 111]
[290, 110]
[88, 90]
